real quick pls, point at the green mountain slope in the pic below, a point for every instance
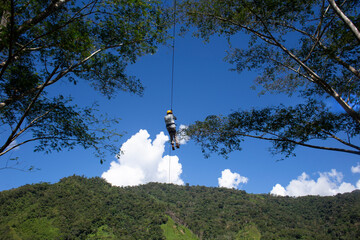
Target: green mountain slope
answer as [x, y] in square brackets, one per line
[175, 231]
[81, 208]
[219, 213]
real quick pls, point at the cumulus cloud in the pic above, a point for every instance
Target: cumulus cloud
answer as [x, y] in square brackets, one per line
[328, 184]
[183, 138]
[356, 169]
[142, 161]
[231, 180]
[278, 190]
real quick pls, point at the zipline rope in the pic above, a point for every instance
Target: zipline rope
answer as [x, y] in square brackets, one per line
[173, 58]
[169, 165]
[172, 77]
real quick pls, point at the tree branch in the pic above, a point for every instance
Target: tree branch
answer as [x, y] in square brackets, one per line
[260, 35]
[345, 19]
[35, 120]
[301, 143]
[317, 79]
[341, 62]
[316, 40]
[32, 140]
[297, 71]
[63, 73]
[13, 133]
[55, 4]
[4, 64]
[318, 34]
[342, 141]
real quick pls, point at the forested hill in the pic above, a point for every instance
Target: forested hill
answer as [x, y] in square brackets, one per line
[81, 208]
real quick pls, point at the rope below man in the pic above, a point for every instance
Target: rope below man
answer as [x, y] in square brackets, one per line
[171, 128]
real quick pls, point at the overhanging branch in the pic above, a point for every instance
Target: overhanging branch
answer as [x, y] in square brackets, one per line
[33, 140]
[66, 71]
[301, 143]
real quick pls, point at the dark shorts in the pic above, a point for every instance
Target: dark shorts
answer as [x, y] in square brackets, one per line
[171, 130]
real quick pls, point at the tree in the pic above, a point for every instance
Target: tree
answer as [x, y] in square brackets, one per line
[307, 48]
[44, 42]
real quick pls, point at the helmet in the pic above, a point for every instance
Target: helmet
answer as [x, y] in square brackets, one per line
[169, 112]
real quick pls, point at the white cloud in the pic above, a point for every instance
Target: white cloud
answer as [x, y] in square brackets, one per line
[142, 161]
[13, 144]
[175, 170]
[183, 138]
[356, 169]
[278, 190]
[328, 184]
[231, 180]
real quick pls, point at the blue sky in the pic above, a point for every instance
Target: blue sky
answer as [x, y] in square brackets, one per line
[203, 85]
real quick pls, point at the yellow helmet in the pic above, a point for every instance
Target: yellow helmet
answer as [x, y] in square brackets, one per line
[169, 112]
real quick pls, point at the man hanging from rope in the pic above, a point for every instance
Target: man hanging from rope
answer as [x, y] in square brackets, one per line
[171, 127]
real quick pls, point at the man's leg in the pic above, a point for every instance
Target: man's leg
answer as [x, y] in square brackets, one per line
[172, 136]
[176, 141]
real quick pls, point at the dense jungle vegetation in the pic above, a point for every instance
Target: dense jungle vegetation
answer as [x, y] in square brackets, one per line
[82, 208]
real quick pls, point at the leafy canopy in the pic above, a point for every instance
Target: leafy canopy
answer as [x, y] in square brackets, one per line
[45, 42]
[304, 48]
